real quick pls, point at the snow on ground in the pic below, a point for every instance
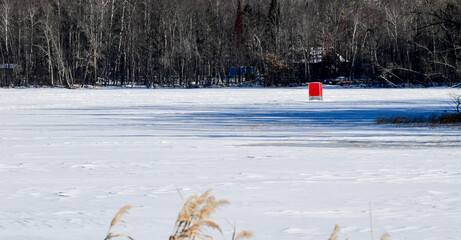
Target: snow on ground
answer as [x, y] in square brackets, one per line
[292, 168]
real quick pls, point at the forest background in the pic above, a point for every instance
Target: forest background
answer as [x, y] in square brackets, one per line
[203, 43]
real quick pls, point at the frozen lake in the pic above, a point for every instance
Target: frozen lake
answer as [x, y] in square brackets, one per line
[292, 168]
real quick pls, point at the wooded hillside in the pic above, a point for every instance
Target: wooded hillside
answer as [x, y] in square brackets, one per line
[222, 42]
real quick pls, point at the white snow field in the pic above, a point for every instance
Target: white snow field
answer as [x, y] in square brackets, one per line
[292, 168]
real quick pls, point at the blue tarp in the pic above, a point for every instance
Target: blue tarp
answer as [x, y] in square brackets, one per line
[231, 72]
[244, 69]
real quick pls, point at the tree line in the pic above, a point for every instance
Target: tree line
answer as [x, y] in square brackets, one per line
[189, 43]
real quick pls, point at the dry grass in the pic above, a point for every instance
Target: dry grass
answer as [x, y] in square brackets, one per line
[334, 235]
[450, 118]
[385, 236]
[242, 235]
[195, 217]
[422, 120]
[115, 220]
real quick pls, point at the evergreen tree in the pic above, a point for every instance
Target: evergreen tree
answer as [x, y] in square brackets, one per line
[273, 25]
[274, 14]
[239, 26]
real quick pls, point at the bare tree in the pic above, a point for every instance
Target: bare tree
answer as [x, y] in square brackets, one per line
[193, 42]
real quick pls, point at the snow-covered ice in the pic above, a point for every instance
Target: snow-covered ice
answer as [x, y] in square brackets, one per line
[292, 168]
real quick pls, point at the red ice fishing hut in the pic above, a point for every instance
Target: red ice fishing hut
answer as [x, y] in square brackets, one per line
[315, 91]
